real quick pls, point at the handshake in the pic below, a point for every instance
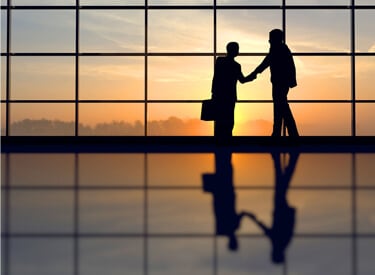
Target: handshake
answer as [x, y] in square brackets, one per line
[251, 77]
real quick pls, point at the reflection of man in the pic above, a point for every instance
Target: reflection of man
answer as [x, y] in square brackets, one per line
[281, 232]
[283, 77]
[224, 90]
[220, 185]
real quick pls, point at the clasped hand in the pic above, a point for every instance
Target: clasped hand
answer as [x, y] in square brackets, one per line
[251, 76]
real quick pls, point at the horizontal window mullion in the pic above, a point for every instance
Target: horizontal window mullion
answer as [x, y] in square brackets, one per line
[190, 7]
[61, 7]
[20, 101]
[186, 54]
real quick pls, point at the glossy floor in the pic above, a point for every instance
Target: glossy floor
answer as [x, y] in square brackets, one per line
[188, 213]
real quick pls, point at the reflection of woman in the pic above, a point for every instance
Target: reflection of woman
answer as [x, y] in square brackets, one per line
[281, 232]
[220, 185]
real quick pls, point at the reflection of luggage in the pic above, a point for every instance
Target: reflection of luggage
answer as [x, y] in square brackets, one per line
[208, 111]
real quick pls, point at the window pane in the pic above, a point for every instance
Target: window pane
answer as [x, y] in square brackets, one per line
[43, 2]
[253, 119]
[42, 119]
[41, 170]
[187, 215]
[318, 2]
[112, 2]
[115, 256]
[111, 77]
[118, 119]
[365, 2]
[4, 2]
[320, 256]
[318, 78]
[365, 20]
[247, 2]
[331, 215]
[3, 77]
[42, 256]
[111, 170]
[183, 256]
[3, 119]
[365, 172]
[178, 169]
[180, 77]
[111, 211]
[366, 249]
[334, 170]
[322, 119]
[43, 78]
[112, 31]
[320, 170]
[366, 208]
[251, 170]
[249, 28]
[177, 119]
[365, 82]
[179, 2]
[30, 33]
[175, 31]
[315, 31]
[3, 31]
[41, 211]
[365, 119]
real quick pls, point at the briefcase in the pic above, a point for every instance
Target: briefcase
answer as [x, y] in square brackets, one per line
[208, 111]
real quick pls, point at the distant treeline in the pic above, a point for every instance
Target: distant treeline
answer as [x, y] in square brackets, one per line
[45, 127]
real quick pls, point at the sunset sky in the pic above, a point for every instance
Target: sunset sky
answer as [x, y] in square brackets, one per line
[187, 77]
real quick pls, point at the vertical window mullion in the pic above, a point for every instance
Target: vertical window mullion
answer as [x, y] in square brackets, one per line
[354, 213]
[76, 130]
[284, 17]
[8, 68]
[215, 29]
[284, 30]
[146, 71]
[352, 54]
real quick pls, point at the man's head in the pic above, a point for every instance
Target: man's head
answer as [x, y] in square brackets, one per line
[276, 37]
[233, 49]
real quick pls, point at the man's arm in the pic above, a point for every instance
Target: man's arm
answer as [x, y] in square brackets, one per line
[262, 66]
[262, 226]
[242, 79]
[248, 78]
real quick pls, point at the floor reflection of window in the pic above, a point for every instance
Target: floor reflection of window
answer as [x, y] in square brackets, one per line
[59, 214]
[141, 217]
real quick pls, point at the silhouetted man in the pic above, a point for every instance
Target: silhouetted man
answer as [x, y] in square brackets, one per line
[221, 186]
[283, 77]
[224, 91]
[284, 216]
